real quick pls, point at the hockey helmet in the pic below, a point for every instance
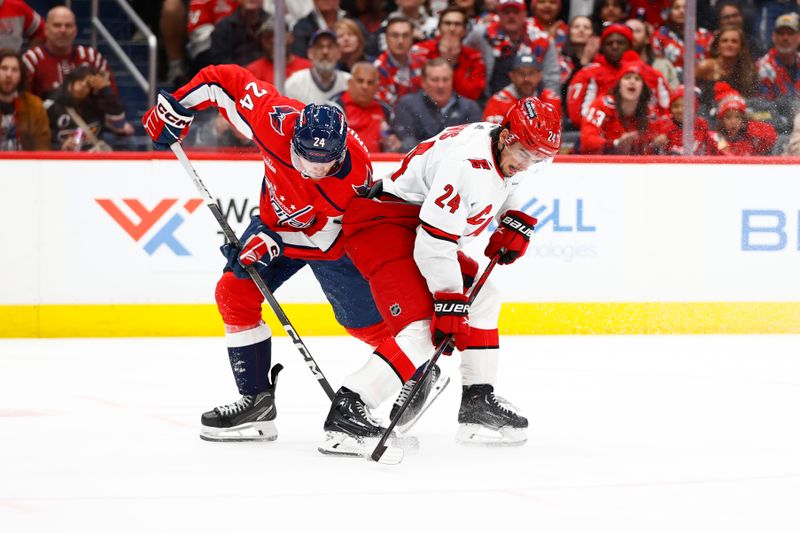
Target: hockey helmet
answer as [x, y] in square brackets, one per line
[320, 134]
[536, 125]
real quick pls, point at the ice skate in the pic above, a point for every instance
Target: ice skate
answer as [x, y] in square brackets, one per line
[350, 429]
[251, 418]
[489, 420]
[433, 386]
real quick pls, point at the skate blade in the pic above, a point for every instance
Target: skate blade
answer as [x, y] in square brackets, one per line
[436, 390]
[477, 435]
[344, 445]
[250, 432]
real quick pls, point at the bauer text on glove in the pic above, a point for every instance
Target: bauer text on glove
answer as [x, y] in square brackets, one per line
[450, 317]
[511, 238]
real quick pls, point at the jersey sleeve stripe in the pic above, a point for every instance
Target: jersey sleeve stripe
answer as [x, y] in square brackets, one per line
[436, 233]
[328, 199]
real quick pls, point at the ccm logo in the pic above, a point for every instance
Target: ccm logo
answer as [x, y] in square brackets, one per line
[518, 226]
[451, 308]
[170, 118]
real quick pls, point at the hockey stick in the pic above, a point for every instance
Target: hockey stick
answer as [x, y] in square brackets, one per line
[257, 279]
[393, 455]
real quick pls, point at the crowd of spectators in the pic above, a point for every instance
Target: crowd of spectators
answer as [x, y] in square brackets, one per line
[403, 70]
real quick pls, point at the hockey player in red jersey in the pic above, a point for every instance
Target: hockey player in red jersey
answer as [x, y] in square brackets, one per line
[313, 167]
[407, 242]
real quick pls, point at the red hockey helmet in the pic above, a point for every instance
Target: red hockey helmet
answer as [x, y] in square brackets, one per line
[535, 124]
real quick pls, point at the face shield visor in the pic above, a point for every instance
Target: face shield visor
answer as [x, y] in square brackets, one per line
[314, 170]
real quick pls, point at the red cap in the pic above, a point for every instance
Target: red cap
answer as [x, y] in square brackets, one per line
[517, 4]
[678, 93]
[631, 67]
[621, 29]
[728, 99]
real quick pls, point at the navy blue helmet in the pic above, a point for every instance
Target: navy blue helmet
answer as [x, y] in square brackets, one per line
[320, 134]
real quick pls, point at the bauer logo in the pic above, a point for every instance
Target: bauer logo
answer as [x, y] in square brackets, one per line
[153, 226]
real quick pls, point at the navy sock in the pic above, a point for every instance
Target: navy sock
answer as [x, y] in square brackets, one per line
[250, 365]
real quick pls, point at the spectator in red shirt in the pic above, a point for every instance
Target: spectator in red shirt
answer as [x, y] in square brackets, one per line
[509, 34]
[263, 68]
[545, 17]
[17, 22]
[667, 41]
[598, 78]
[779, 69]
[737, 134]
[203, 17]
[399, 71]
[668, 131]
[617, 123]
[370, 118]
[526, 80]
[469, 70]
[50, 63]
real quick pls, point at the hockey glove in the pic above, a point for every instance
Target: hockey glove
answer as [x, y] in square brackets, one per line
[167, 122]
[510, 240]
[259, 249]
[469, 269]
[450, 317]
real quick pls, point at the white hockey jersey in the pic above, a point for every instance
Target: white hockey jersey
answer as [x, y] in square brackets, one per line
[460, 187]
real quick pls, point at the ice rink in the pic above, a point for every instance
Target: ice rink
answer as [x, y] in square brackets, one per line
[629, 434]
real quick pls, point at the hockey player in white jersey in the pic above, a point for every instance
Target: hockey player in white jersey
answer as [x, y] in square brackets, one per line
[407, 242]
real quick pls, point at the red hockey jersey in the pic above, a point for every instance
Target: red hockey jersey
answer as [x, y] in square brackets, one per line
[306, 213]
[602, 125]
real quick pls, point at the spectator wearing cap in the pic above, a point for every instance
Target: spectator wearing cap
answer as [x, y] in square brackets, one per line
[370, 118]
[322, 17]
[235, 38]
[738, 135]
[667, 41]
[23, 120]
[399, 70]
[668, 131]
[618, 123]
[316, 85]
[510, 34]
[768, 12]
[263, 68]
[422, 115]
[526, 80]
[779, 70]
[469, 70]
[598, 78]
[18, 21]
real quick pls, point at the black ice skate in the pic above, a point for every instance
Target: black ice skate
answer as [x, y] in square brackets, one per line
[432, 387]
[350, 429]
[251, 418]
[488, 419]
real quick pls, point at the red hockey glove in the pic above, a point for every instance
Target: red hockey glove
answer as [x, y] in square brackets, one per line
[168, 121]
[450, 317]
[259, 248]
[511, 237]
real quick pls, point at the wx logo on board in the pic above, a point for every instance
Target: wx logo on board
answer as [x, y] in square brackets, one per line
[146, 219]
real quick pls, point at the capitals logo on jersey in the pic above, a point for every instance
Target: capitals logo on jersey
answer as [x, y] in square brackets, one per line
[289, 215]
[278, 115]
[363, 190]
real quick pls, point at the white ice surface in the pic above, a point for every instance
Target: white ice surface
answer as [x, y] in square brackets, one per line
[629, 434]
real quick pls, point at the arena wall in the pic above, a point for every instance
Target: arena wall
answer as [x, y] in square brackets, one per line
[121, 245]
